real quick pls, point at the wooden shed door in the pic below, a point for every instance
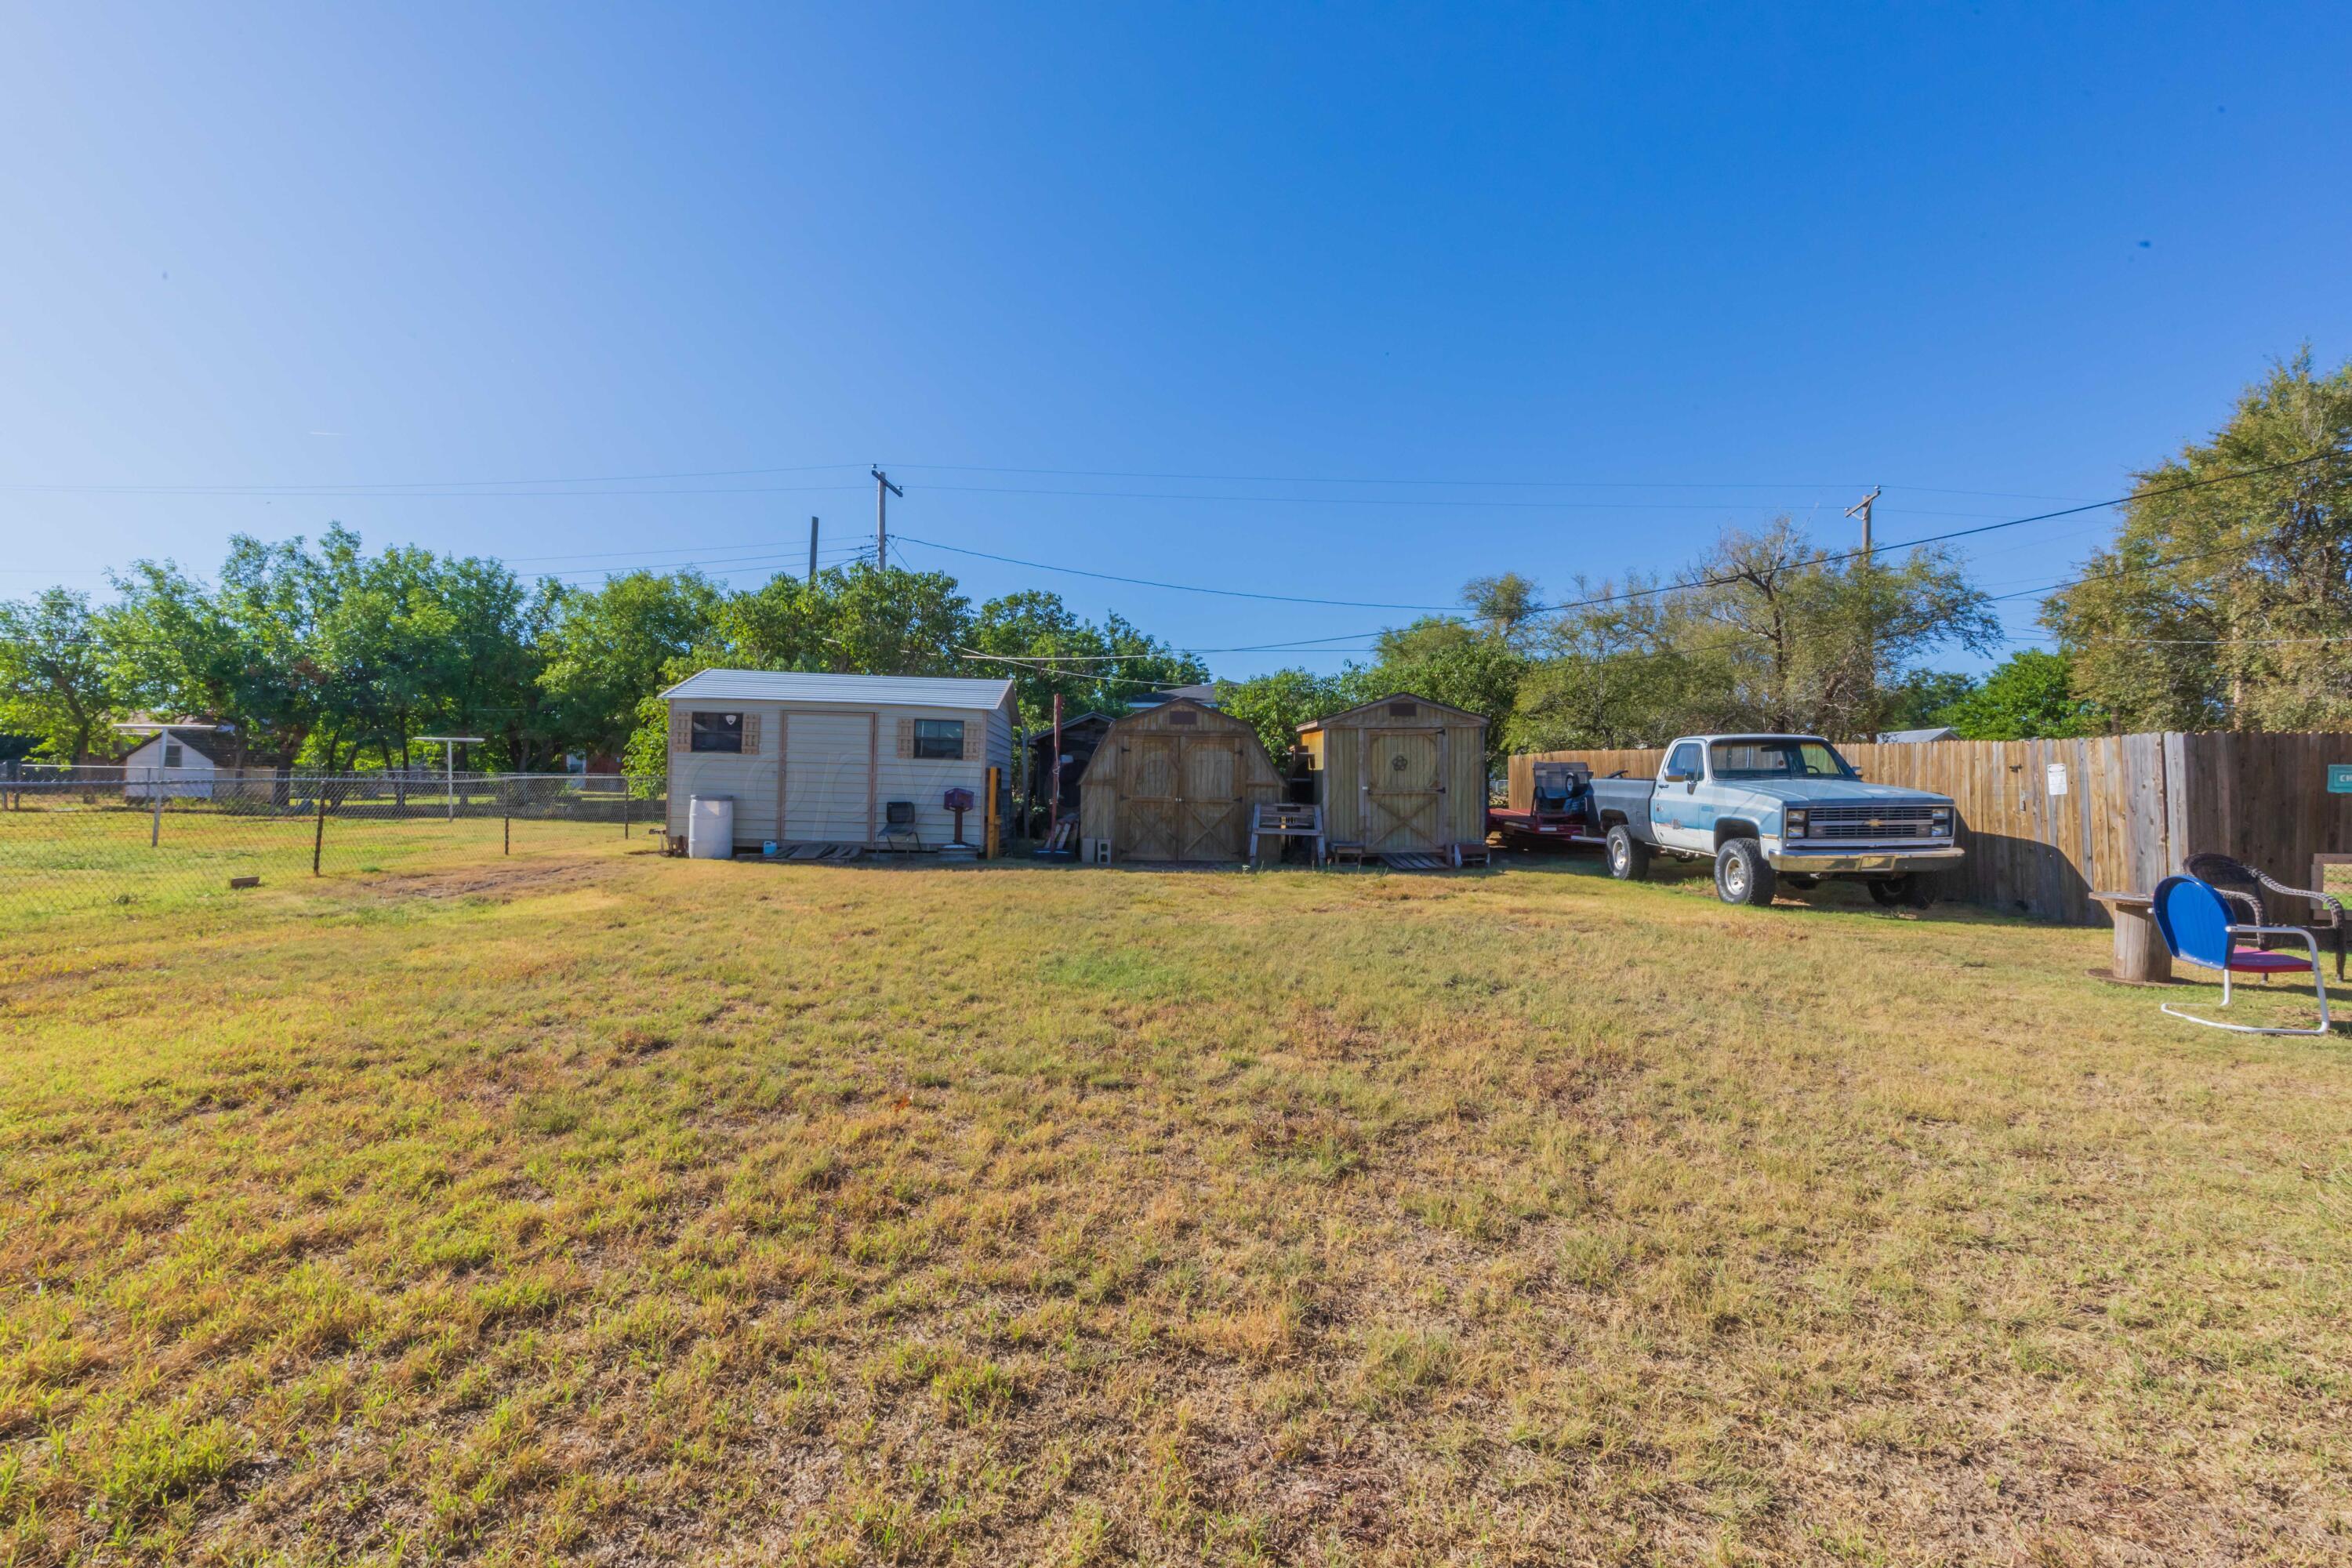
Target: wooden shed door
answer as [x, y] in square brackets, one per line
[1400, 790]
[1149, 802]
[1213, 826]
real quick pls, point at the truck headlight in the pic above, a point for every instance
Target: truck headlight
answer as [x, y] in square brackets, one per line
[1940, 819]
[1792, 824]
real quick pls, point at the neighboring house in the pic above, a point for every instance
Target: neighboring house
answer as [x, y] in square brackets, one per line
[1205, 695]
[1915, 737]
[817, 759]
[182, 765]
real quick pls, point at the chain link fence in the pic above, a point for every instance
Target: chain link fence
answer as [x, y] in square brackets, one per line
[86, 837]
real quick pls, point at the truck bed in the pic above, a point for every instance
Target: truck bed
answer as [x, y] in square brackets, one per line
[1625, 800]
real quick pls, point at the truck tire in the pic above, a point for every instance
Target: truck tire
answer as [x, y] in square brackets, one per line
[1742, 875]
[1629, 858]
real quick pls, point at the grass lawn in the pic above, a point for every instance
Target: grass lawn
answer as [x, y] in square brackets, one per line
[599, 1207]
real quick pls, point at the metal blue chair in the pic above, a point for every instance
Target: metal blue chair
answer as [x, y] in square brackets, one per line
[2195, 924]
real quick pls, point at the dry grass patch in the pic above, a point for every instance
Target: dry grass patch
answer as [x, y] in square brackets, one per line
[630, 1210]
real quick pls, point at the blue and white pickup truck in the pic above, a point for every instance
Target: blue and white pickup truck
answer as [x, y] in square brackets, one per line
[1767, 807]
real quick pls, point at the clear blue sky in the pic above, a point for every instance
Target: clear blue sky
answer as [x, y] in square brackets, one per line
[1661, 269]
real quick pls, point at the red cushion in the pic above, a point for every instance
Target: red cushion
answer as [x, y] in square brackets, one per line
[2254, 960]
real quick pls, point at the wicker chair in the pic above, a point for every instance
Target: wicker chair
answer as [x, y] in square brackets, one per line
[2243, 886]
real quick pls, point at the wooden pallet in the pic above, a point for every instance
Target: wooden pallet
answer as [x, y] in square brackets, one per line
[1062, 839]
[1416, 860]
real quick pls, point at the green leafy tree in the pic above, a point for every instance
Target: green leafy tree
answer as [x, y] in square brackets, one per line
[2229, 605]
[606, 650]
[1277, 704]
[53, 681]
[2030, 695]
[1918, 700]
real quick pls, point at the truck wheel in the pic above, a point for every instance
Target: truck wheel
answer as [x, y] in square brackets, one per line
[1742, 875]
[1629, 858]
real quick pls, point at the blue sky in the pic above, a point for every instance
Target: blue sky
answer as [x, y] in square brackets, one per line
[1597, 280]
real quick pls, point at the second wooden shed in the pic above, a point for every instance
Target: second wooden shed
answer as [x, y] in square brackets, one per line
[1173, 783]
[1401, 776]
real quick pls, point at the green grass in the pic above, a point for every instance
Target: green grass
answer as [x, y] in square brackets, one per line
[593, 1206]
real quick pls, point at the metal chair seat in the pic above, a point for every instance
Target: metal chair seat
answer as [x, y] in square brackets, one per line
[2194, 921]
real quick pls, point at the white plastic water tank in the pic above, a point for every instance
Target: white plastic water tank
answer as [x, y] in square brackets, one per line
[711, 827]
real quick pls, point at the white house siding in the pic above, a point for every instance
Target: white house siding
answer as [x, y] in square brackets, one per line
[143, 770]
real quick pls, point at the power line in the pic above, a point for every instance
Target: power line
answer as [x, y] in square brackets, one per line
[1177, 587]
[1464, 484]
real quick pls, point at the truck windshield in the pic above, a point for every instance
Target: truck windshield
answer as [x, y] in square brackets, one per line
[1777, 759]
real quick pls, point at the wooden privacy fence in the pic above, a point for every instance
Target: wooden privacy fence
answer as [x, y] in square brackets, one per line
[2046, 822]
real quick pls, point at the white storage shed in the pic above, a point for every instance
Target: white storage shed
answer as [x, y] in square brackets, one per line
[818, 758]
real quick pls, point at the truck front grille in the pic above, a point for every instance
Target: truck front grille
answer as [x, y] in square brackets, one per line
[1873, 823]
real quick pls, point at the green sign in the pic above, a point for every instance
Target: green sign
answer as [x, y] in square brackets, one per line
[2339, 778]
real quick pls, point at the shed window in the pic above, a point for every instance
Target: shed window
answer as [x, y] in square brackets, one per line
[1183, 715]
[938, 738]
[717, 732]
[170, 753]
[1403, 710]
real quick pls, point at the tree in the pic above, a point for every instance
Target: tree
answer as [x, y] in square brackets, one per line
[1276, 705]
[2030, 695]
[1813, 643]
[53, 680]
[2229, 605]
[1921, 698]
[606, 650]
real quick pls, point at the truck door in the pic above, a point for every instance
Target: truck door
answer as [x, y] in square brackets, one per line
[1676, 814]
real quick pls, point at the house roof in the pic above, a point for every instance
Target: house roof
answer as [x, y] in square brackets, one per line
[213, 748]
[1205, 694]
[850, 690]
[1382, 701]
[1913, 737]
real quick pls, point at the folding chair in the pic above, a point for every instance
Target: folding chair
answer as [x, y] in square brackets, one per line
[898, 824]
[2194, 922]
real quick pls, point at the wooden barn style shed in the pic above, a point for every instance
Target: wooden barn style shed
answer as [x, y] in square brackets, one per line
[1177, 781]
[1401, 776]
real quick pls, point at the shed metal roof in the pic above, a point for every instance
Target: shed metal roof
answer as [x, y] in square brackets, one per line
[848, 690]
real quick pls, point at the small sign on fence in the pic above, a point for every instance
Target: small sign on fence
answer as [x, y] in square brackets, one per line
[2339, 778]
[2057, 778]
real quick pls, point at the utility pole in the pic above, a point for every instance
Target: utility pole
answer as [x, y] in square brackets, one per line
[883, 491]
[812, 577]
[1861, 508]
[1869, 630]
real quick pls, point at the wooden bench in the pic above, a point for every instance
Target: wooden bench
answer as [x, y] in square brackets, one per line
[2141, 958]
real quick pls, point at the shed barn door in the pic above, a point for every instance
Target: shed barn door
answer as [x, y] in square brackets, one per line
[1401, 797]
[1149, 802]
[1212, 820]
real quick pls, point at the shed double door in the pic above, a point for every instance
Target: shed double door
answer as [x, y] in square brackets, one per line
[1403, 789]
[1182, 799]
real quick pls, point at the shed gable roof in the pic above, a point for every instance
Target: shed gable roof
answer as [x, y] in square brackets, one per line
[848, 690]
[1383, 701]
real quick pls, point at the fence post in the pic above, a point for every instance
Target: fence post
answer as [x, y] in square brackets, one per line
[319, 830]
[155, 799]
[625, 806]
[505, 818]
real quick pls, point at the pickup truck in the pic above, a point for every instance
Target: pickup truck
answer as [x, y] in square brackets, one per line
[1766, 807]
